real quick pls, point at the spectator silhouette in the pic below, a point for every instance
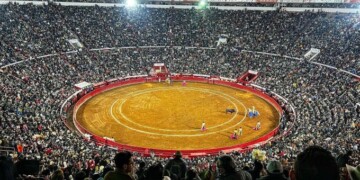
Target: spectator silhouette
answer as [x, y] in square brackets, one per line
[176, 166]
[124, 167]
[6, 168]
[155, 172]
[343, 159]
[274, 170]
[315, 163]
[140, 172]
[258, 167]
[57, 175]
[191, 174]
[227, 169]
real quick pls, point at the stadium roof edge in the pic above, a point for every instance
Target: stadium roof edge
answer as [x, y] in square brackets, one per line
[289, 9]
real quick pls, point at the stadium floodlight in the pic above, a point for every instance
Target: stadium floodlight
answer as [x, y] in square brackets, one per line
[130, 3]
[202, 4]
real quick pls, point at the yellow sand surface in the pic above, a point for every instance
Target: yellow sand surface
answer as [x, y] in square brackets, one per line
[160, 116]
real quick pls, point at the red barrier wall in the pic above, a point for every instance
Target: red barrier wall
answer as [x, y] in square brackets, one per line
[166, 153]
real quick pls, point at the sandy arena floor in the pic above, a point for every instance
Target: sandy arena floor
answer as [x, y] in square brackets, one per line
[159, 116]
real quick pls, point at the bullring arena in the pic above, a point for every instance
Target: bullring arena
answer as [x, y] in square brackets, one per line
[162, 116]
[84, 81]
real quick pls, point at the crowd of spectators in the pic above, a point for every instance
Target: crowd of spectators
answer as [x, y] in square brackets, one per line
[33, 91]
[30, 30]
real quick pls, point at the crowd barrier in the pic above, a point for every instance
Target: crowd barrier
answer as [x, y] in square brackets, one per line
[7, 150]
[114, 83]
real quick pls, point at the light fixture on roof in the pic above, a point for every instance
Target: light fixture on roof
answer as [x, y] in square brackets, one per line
[203, 4]
[130, 3]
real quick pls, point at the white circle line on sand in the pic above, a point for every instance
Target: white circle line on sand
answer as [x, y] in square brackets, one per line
[187, 89]
[175, 135]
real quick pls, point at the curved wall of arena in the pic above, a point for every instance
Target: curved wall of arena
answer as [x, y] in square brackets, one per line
[115, 83]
